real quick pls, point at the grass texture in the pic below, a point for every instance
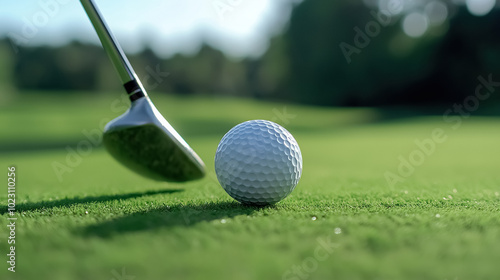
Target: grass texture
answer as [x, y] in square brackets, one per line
[81, 215]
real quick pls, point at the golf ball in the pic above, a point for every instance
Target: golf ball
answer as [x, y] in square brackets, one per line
[258, 162]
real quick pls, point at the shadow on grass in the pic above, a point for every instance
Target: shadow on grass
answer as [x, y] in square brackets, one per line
[68, 202]
[170, 216]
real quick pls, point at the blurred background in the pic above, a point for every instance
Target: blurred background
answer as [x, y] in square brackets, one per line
[327, 53]
[363, 85]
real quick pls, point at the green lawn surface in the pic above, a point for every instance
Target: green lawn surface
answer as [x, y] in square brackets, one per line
[343, 221]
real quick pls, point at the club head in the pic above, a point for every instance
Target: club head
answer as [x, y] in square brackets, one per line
[142, 140]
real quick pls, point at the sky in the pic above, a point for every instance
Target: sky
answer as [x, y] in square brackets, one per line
[240, 28]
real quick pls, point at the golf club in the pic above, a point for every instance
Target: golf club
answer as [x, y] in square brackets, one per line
[141, 138]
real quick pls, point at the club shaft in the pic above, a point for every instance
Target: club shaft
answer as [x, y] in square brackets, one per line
[114, 51]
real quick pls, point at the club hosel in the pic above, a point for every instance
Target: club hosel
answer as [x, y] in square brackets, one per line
[135, 90]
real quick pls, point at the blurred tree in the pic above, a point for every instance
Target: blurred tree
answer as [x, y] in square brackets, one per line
[7, 88]
[343, 53]
[466, 51]
[267, 76]
[73, 67]
[209, 72]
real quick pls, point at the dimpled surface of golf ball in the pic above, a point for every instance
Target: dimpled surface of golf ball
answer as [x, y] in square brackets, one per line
[258, 162]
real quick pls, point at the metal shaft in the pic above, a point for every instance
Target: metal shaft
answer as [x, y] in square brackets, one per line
[114, 51]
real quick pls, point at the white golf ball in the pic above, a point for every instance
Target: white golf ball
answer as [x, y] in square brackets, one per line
[258, 162]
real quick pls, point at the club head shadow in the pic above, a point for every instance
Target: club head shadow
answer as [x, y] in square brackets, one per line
[142, 140]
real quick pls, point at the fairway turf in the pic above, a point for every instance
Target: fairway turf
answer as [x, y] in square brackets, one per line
[101, 220]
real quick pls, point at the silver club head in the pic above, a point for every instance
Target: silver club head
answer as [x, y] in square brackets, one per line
[142, 140]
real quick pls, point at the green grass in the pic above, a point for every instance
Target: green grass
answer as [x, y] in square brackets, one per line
[442, 222]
